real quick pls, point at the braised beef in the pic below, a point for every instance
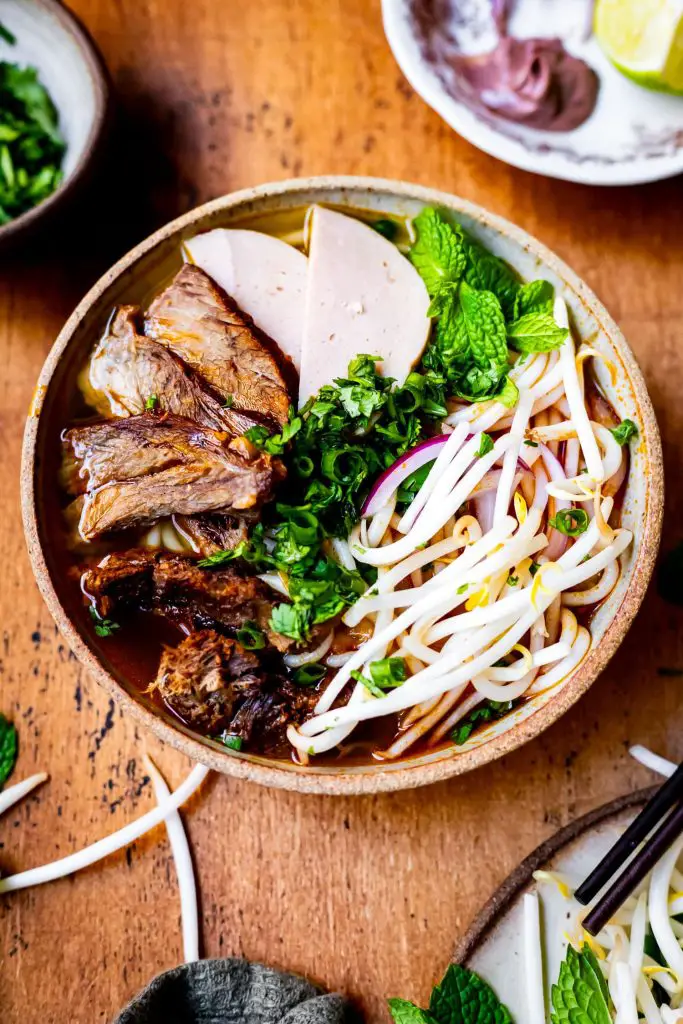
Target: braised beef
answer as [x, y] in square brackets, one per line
[214, 685]
[176, 586]
[128, 369]
[208, 331]
[211, 533]
[137, 470]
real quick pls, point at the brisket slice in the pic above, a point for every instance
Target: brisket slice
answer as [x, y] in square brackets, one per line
[127, 369]
[207, 330]
[208, 534]
[176, 586]
[213, 684]
[137, 470]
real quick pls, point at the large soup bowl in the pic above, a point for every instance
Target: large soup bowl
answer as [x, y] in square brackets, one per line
[135, 277]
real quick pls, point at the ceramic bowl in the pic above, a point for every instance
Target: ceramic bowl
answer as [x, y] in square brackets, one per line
[136, 276]
[51, 39]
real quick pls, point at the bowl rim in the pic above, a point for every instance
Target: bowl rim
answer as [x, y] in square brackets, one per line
[520, 877]
[374, 778]
[99, 75]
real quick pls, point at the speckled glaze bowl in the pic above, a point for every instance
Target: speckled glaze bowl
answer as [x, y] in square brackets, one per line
[131, 280]
[52, 39]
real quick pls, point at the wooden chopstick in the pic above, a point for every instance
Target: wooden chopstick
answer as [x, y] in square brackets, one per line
[653, 812]
[642, 863]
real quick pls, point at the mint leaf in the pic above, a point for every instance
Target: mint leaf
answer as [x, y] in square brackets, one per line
[485, 445]
[485, 326]
[465, 998]
[534, 297]
[536, 332]
[404, 1012]
[486, 272]
[509, 394]
[625, 431]
[439, 252]
[8, 749]
[580, 995]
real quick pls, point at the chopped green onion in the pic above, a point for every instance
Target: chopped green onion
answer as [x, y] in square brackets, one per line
[572, 522]
[308, 675]
[232, 742]
[251, 637]
[386, 227]
[151, 403]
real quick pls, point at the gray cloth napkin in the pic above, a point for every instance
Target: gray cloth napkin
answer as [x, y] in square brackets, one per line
[233, 992]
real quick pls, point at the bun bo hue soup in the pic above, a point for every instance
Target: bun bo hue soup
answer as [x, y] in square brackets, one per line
[342, 487]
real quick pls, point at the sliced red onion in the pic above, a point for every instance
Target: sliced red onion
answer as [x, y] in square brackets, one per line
[557, 542]
[406, 464]
[484, 505]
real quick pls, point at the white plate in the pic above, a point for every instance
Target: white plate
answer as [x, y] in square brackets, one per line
[634, 134]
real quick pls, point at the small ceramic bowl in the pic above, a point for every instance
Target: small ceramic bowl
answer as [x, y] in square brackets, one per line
[51, 39]
[135, 277]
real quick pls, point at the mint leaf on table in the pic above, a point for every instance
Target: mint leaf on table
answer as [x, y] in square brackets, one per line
[439, 252]
[536, 332]
[465, 998]
[404, 1012]
[8, 749]
[534, 297]
[580, 995]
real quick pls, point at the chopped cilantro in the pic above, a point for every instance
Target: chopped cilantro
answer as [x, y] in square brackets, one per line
[31, 146]
[103, 627]
[151, 403]
[626, 430]
[488, 712]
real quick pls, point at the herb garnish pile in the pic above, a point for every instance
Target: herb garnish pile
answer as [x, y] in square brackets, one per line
[580, 996]
[338, 444]
[31, 145]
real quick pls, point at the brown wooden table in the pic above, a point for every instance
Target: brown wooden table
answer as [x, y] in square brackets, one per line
[366, 895]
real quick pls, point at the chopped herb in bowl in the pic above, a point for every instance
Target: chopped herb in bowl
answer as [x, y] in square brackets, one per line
[31, 145]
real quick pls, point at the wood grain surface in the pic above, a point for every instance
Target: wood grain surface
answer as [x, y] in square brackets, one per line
[364, 895]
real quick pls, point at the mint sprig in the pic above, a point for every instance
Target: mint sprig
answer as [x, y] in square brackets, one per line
[439, 252]
[534, 297]
[8, 749]
[462, 997]
[536, 332]
[580, 995]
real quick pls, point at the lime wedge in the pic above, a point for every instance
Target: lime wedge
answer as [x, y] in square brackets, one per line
[644, 40]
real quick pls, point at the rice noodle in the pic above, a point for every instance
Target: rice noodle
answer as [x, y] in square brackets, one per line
[183, 864]
[574, 395]
[533, 961]
[111, 843]
[13, 794]
[308, 657]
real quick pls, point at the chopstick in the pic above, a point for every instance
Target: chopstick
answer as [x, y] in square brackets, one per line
[653, 812]
[658, 811]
